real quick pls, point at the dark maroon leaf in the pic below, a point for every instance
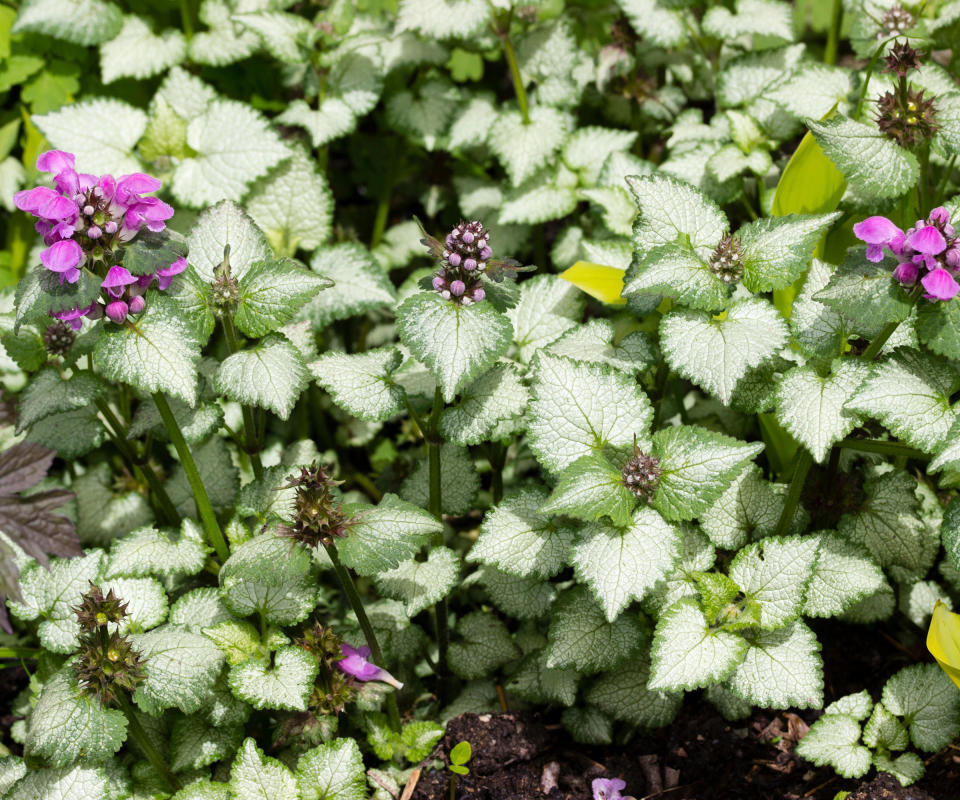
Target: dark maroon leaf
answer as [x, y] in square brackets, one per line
[38, 531]
[8, 410]
[22, 466]
[47, 501]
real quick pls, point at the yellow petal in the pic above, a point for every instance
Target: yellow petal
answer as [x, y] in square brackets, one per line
[604, 283]
[943, 640]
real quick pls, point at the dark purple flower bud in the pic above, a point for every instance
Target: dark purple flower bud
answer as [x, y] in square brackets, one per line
[457, 288]
[117, 311]
[906, 273]
[485, 253]
[470, 264]
[641, 475]
[451, 241]
[455, 260]
[438, 282]
[953, 257]
[110, 227]
[59, 338]
[478, 294]
[137, 304]
[468, 237]
[93, 232]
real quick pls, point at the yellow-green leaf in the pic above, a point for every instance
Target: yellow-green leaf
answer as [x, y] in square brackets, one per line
[943, 640]
[810, 183]
[597, 280]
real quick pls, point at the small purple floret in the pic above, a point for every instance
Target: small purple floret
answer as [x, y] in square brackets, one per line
[356, 662]
[608, 788]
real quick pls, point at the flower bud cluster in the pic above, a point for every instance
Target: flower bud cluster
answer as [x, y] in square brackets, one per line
[318, 516]
[904, 114]
[895, 21]
[85, 221]
[928, 252]
[726, 262]
[333, 688]
[465, 255]
[107, 664]
[641, 475]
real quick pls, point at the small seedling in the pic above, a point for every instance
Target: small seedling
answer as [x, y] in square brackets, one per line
[459, 757]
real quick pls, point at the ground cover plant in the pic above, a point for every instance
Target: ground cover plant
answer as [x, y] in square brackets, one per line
[371, 365]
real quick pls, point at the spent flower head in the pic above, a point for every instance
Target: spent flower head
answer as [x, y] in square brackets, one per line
[895, 21]
[86, 220]
[317, 514]
[928, 252]
[726, 261]
[641, 475]
[58, 338]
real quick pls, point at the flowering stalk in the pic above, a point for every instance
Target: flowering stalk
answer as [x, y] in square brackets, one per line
[356, 603]
[119, 437]
[435, 507]
[146, 745]
[515, 74]
[210, 524]
[833, 36]
[250, 439]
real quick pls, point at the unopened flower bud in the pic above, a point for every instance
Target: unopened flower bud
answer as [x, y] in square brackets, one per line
[455, 259]
[137, 304]
[470, 264]
[468, 237]
[727, 260]
[438, 282]
[478, 294]
[457, 288]
[93, 232]
[117, 311]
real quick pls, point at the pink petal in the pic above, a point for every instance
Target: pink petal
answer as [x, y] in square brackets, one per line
[875, 230]
[927, 239]
[55, 161]
[62, 256]
[940, 285]
[31, 200]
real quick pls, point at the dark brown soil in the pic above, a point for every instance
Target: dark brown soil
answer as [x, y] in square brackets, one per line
[12, 680]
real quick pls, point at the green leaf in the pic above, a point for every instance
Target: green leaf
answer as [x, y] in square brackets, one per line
[204, 789]
[520, 598]
[383, 536]
[580, 635]
[686, 654]
[661, 24]
[25, 348]
[535, 682]
[362, 383]
[781, 668]
[815, 410]
[834, 740]
[270, 575]
[232, 145]
[359, 284]
[588, 725]
[517, 538]
[293, 205]
[870, 161]
[64, 783]
[157, 353]
[592, 342]
[284, 36]
[866, 294]
[83, 22]
[621, 565]
[716, 354]
[938, 326]
[152, 251]
[489, 409]
[910, 394]
[749, 506]
[856, 705]
[591, 488]
[238, 640]
[221, 225]
[459, 481]
[589, 147]
[272, 293]
[676, 272]
[461, 753]
[421, 584]
[197, 744]
[47, 393]
[884, 730]
[284, 684]
[332, 771]
[697, 555]
[137, 52]
[768, 19]
[482, 644]
[67, 725]
[524, 147]
[192, 296]
[928, 702]
[774, 573]
[254, 776]
[457, 343]
[547, 309]
[907, 768]
[625, 695]
[673, 211]
[696, 466]
[578, 409]
[100, 132]
[842, 575]
[776, 251]
[271, 375]
[615, 205]
[199, 609]
[183, 668]
[149, 551]
[809, 184]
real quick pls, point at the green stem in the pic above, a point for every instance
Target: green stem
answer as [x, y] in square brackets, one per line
[151, 752]
[801, 466]
[383, 209]
[210, 524]
[874, 348]
[251, 443]
[942, 186]
[517, 79]
[498, 457]
[19, 652]
[186, 18]
[924, 185]
[164, 503]
[881, 48]
[353, 596]
[435, 507]
[833, 37]
[898, 449]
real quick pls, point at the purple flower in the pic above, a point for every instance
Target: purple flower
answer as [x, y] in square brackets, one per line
[355, 662]
[878, 232]
[72, 317]
[940, 285]
[927, 240]
[165, 274]
[116, 282]
[63, 257]
[608, 788]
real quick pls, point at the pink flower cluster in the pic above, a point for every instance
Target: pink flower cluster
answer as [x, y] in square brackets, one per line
[928, 252]
[85, 221]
